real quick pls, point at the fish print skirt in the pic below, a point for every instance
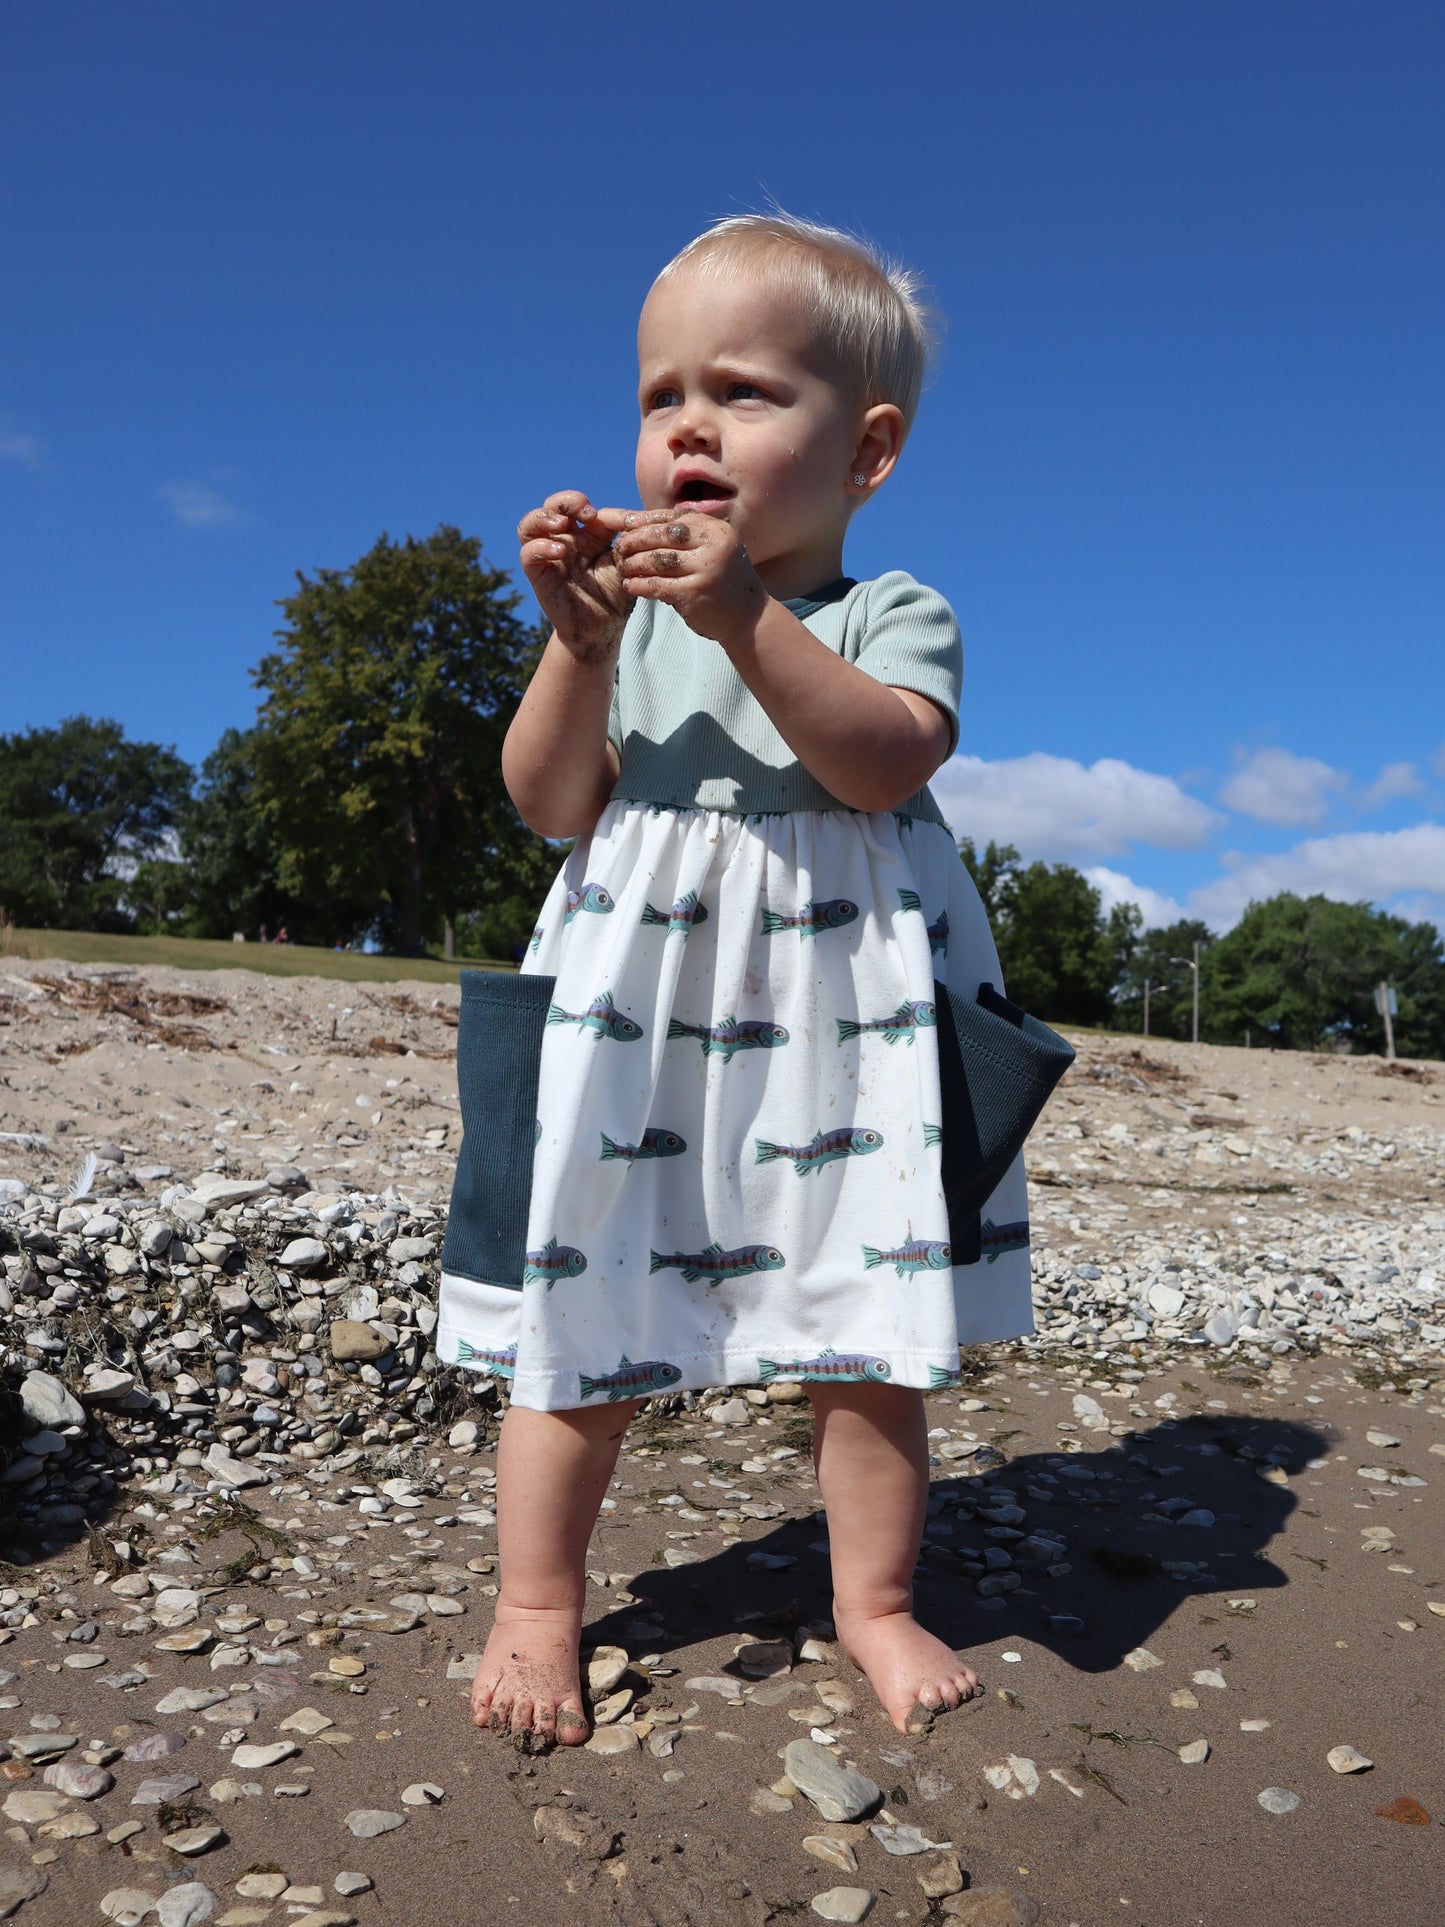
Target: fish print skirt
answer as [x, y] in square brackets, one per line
[735, 1165]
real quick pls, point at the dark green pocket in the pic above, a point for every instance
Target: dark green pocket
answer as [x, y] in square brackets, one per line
[997, 1067]
[499, 1052]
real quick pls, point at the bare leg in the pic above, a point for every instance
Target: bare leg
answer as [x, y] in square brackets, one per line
[871, 1452]
[552, 1474]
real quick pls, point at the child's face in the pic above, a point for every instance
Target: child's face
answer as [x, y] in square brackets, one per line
[745, 417]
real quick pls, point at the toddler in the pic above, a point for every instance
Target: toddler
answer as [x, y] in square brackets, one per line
[703, 1130]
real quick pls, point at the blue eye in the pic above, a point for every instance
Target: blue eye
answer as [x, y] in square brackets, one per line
[744, 391]
[664, 398]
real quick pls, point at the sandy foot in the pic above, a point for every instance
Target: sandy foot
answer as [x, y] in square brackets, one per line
[528, 1685]
[913, 1674]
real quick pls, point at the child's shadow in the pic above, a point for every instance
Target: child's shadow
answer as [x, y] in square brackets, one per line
[1134, 1521]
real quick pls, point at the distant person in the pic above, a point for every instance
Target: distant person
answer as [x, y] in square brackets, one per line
[283, 935]
[264, 937]
[774, 967]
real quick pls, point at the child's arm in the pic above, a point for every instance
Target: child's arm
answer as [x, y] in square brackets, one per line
[557, 763]
[871, 745]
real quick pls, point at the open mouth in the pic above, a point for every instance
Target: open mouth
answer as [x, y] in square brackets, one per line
[705, 493]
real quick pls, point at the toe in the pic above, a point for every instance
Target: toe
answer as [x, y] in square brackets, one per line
[571, 1725]
[544, 1721]
[521, 1720]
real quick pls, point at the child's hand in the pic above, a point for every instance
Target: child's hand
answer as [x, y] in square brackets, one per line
[567, 557]
[694, 562]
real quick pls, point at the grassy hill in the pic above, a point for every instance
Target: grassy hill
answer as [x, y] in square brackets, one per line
[273, 959]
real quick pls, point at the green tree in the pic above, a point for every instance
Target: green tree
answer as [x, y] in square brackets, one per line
[1061, 956]
[230, 853]
[378, 744]
[1300, 972]
[80, 807]
[1155, 961]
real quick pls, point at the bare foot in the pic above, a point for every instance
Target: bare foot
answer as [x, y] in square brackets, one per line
[528, 1685]
[913, 1674]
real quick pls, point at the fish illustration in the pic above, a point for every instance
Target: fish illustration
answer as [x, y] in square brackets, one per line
[715, 1264]
[937, 932]
[536, 937]
[601, 1017]
[730, 1036]
[656, 1143]
[682, 916]
[552, 1262]
[501, 1364]
[591, 896]
[537, 1137]
[918, 1254]
[812, 918]
[937, 1376]
[933, 1134]
[851, 1141]
[903, 1022]
[999, 1238]
[828, 1364]
[629, 1380]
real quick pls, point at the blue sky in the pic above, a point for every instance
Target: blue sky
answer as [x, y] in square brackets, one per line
[280, 278]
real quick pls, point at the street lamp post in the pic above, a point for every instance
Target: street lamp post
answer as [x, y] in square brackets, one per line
[1194, 966]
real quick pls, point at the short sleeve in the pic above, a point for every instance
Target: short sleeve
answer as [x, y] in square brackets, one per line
[614, 714]
[911, 640]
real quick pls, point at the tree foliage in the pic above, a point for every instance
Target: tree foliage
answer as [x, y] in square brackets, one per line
[1060, 954]
[1156, 959]
[231, 860]
[379, 738]
[80, 807]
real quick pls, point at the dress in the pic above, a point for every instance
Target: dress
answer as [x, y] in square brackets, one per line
[735, 1161]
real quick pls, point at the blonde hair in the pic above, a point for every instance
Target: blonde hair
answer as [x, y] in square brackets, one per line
[870, 309]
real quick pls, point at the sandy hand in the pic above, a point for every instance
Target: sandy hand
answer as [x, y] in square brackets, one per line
[567, 557]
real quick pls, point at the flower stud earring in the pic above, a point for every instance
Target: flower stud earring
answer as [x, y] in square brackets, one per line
[860, 480]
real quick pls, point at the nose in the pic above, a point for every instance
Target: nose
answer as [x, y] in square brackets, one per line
[693, 426]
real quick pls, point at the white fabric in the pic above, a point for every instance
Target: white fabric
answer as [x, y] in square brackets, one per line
[813, 1280]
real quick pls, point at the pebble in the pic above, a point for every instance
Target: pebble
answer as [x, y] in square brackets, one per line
[19, 1884]
[1344, 1759]
[262, 1886]
[835, 1790]
[347, 1884]
[992, 1907]
[843, 1903]
[612, 1739]
[255, 1759]
[422, 1793]
[366, 1823]
[1141, 1660]
[32, 1806]
[163, 1789]
[186, 1906]
[833, 1853]
[80, 1782]
[1194, 1752]
[127, 1906]
[194, 1840]
[1278, 1799]
[903, 1840]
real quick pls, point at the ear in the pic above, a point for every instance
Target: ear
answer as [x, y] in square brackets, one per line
[880, 442]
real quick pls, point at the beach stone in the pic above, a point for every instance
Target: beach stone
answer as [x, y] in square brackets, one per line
[306, 1721]
[193, 1840]
[262, 1886]
[323, 1917]
[733, 1411]
[33, 1806]
[906, 1840]
[351, 1339]
[1383, 1439]
[347, 1884]
[422, 1793]
[192, 1699]
[1278, 1799]
[605, 1669]
[186, 1906]
[19, 1884]
[155, 1746]
[1141, 1660]
[613, 1739]
[941, 1877]
[235, 1472]
[843, 1903]
[256, 1759]
[194, 1639]
[835, 1790]
[833, 1853]
[365, 1823]
[376, 1619]
[992, 1907]
[1344, 1759]
[764, 1658]
[127, 1906]
[303, 1254]
[80, 1782]
[163, 1789]
[48, 1403]
[39, 1746]
[1194, 1752]
[764, 1800]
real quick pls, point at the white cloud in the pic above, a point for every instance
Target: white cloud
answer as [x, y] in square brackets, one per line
[199, 506]
[1276, 786]
[1394, 780]
[1053, 807]
[25, 449]
[1388, 867]
[1114, 887]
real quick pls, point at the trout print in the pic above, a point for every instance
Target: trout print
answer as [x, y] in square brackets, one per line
[937, 1377]
[536, 938]
[932, 1134]
[904, 1022]
[682, 916]
[726, 1039]
[852, 1141]
[629, 1380]
[918, 1254]
[828, 1364]
[812, 918]
[656, 1143]
[601, 1017]
[937, 932]
[714, 1264]
[501, 1364]
[552, 1262]
[592, 897]
[999, 1238]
